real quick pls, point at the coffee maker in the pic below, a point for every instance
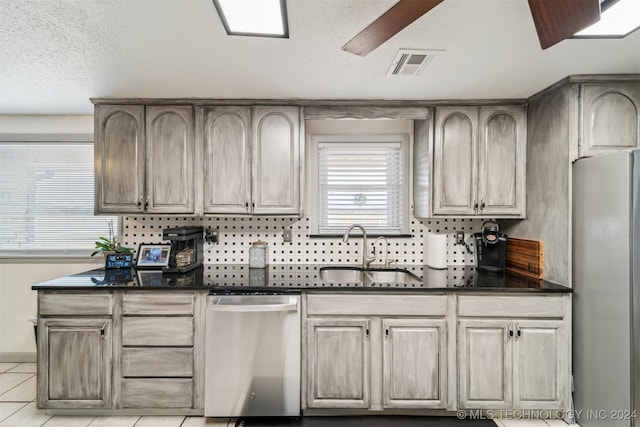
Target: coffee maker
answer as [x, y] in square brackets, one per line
[186, 248]
[491, 248]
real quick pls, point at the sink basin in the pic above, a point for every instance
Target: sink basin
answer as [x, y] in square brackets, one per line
[341, 275]
[367, 276]
[391, 276]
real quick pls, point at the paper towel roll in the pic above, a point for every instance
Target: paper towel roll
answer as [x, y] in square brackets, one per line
[435, 251]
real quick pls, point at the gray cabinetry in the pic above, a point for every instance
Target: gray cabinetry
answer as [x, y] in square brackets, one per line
[74, 351]
[414, 357]
[144, 159]
[276, 160]
[227, 166]
[610, 117]
[338, 353]
[252, 160]
[479, 161]
[389, 356]
[513, 353]
[169, 160]
[119, 158]
[158, 350]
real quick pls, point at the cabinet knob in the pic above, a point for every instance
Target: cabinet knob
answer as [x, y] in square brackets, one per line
[475, 206]
[386, 333]
[139, 201]
[146, 203]
[366, 332]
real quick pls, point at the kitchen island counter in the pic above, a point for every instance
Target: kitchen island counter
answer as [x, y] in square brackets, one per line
[283, 278]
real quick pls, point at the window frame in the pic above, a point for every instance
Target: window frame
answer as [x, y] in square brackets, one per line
[59, 255]
[360, 138]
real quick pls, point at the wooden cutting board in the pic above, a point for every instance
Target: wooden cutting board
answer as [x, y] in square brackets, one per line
[525, 257]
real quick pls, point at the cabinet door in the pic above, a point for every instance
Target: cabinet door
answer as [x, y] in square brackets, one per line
[422, 170]
[119, 158]
[338, 355]
[502, 165]
[170, 160]
[454, 167]
[484, 370]
[541, 365]
[74, 363]
[227, 166]
[276, 160]
[415, 363]
[610, 118]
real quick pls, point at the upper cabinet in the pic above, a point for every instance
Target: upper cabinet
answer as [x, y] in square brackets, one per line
[609, 117]
[227, 165]
[249, 159]
[252, 160]
[479, 160]
[119, 158]
[276, 160]
[144, 159]
[170, 160]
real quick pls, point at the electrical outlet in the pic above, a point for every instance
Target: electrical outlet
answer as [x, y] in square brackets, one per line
[286, 235]
[459, 237]
[211, 236]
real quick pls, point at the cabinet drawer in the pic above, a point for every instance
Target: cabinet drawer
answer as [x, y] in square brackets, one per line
[162, 303]
[377, 305]
[512, 306]
[94, 303]
[157, 331]
[157, 362]
[157, 393]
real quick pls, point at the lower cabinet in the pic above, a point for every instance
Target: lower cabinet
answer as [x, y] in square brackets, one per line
[158, 342]
[513, 364]
[338, 360]
[74, 363]
[414, 362]
[413, 355]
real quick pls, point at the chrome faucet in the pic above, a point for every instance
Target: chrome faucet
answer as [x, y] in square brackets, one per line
[387, 261]
[366, 260]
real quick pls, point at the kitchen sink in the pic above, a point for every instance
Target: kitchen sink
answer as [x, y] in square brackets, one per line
[368, 276]
[341, 275]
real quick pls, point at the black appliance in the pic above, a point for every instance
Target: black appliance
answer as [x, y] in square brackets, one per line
[186, 248]
[491, 248]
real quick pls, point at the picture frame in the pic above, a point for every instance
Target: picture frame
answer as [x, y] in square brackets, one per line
[153, 255]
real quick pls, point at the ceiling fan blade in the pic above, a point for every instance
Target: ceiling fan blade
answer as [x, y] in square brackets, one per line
[388, 25]
[556, 20]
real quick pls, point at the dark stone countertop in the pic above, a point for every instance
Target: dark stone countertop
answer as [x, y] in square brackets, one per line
[223, 278]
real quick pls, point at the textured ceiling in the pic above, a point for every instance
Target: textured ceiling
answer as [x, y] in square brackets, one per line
[56, 54]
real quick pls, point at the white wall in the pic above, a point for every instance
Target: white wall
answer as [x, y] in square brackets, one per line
[17, 300]
[43, 124]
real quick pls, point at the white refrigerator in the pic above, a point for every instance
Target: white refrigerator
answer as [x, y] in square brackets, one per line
[606, 283]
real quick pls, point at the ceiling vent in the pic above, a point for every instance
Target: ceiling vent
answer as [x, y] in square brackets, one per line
[410, 62]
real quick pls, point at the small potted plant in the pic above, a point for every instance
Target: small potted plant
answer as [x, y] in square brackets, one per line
[105, 245]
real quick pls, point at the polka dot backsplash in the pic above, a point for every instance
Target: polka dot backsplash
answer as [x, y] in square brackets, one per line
[235, 235]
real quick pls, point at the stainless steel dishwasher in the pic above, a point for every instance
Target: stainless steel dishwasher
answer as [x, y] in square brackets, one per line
[252, 360]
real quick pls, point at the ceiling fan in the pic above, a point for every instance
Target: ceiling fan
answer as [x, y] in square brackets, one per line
[555, 20]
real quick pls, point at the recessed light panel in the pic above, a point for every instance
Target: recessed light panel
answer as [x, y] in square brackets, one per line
[261, 18]
[618, 19]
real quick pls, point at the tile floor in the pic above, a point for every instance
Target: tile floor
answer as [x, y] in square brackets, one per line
[18, 409]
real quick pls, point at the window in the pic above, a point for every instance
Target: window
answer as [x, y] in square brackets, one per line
[46, 200]
[360, 180]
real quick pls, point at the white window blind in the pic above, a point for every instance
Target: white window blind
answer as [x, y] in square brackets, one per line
[46, 200]
[362, 183]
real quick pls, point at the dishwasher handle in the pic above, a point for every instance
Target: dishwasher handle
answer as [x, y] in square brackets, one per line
[253, 308]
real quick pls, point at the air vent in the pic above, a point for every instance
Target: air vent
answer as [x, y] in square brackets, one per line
[410, 62]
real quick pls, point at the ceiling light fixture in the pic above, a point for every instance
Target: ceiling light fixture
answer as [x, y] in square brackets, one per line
[618, 19]
[258, 18]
